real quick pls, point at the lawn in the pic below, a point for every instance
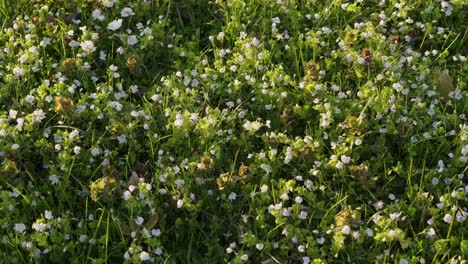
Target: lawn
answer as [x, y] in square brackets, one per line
[233, 131]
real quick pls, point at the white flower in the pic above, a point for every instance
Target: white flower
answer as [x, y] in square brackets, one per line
[461, 216]
[126, 12]
[115, 24]
[76, 150]
[403, 261]
[20, 227]
[29, 98]
[18, 71]
[127, 195]
[48, 215]
[158, 251]
[144, 256]
[53, 179]
[180, 203]
[303, 215]
[156, 232]
[38, 115]
[232, 196]
[447, 218]
[39, 226]
[122, 138]
[97, 15]
[15, 146]
[132, 40]
[265, 167]
[87, 46]
[139, 220]
[95, 152]
[345, 159]
[108, 3]
[259, 246]
[346, 230]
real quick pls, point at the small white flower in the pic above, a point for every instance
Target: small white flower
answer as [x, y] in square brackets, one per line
[95, 152]
[139, 220]
[144, 256]
[53, 179]
[303, 215]
[122, 138]
[18, 71]
[127, 195]
[15, 146]
[97, 15]
[259, 246]
[132, 40]
[39, 226]
[76, 150]
[345, 159]
[232, 196]
[126, 12]
[20, 227]
[115, 24]
[448, 218]
[346, 230]
[403, 261]
[180, 203]
[88, 46]
[156, 232]
[48, 215]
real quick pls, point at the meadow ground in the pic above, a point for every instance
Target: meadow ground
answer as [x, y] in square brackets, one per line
[233, 131]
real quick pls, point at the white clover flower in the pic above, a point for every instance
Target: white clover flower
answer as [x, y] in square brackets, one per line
[88, 46]
[115, 24]
[126, 12]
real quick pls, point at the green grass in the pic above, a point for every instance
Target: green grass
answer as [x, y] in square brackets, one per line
[233, 131]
